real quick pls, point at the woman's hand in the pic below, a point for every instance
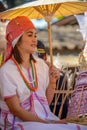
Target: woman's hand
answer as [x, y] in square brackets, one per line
[54, 74]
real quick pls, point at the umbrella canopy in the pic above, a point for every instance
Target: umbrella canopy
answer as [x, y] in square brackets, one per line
[43, 8]
[46, 9]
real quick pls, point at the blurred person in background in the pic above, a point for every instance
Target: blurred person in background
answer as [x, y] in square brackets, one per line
[41, 50]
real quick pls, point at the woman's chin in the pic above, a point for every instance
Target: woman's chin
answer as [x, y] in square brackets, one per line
[33, 51]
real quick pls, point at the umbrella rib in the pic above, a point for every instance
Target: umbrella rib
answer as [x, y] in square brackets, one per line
[45, 10]
[56, 7]
[30, 13]
[39, 10]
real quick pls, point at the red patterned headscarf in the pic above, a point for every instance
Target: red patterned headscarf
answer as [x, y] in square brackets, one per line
[15, 29]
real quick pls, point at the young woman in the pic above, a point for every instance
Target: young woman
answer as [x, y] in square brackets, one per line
[27, 84]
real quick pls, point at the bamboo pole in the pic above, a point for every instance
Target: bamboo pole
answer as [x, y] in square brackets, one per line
[50, 42]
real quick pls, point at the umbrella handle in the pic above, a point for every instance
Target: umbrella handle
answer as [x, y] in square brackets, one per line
[50, 42]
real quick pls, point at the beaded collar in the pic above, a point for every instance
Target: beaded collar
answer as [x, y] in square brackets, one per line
[29, 86]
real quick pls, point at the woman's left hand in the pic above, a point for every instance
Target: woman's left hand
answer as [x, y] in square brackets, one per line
[54, 73]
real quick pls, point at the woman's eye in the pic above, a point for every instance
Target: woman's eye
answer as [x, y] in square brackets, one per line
[29, 35]
[35, 36]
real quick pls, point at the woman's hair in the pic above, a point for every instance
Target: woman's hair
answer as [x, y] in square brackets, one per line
[17, 55]
[16, 52]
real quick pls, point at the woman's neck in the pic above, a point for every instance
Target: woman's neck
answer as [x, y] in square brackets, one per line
[26, 61]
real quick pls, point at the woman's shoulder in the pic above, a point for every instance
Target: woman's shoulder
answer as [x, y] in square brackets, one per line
[41, 62]
[7, 66]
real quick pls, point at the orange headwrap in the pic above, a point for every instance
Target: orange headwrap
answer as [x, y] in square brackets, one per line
[15, 28]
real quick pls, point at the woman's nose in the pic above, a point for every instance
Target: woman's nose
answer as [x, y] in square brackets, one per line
[34, 38]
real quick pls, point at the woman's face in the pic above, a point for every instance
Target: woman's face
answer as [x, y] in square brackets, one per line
[28, 41]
